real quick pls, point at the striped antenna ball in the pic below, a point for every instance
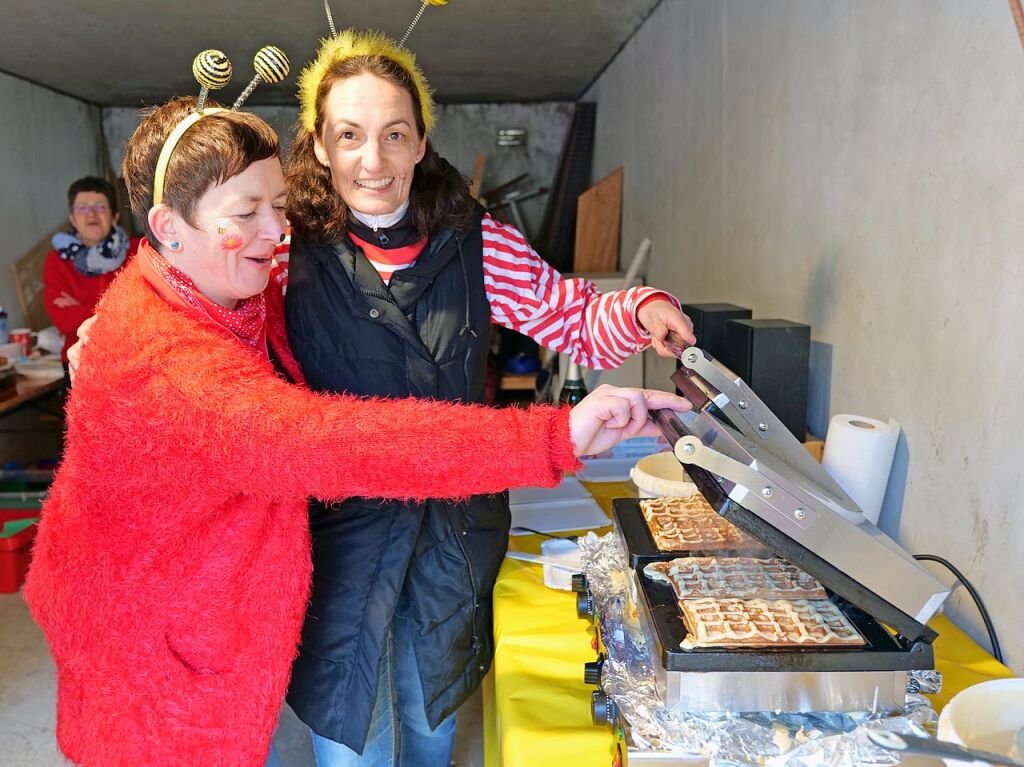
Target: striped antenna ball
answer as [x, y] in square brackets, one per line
[271, 64]
[212, 69]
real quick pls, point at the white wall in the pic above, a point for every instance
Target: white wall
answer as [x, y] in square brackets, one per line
[46, 142]
[859, 166]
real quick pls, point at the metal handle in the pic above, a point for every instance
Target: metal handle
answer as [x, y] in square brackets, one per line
[893, 741]
[731, 395]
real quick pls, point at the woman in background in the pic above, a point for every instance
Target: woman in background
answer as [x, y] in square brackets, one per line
[85, 260]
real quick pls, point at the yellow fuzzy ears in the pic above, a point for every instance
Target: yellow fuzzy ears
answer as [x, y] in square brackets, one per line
[350, 44]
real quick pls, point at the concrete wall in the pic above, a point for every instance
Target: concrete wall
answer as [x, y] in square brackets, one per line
[46, 142]
[462, 131]
[858, 166]
[119, 123]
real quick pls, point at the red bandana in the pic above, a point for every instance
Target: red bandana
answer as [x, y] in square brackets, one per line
[247, 321]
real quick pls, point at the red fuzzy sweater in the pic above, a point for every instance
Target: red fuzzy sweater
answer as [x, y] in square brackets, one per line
[172, 567]
[70, 297]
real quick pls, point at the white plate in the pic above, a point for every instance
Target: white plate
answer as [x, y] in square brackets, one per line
[569, 489]
[559, 516]
[606, 469]
[51, 368]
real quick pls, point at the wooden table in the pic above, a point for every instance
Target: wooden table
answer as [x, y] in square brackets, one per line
[30, 390]
[517, 381]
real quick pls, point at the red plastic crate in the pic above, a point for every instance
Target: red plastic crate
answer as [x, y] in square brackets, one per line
[15, 556]
[8, 515]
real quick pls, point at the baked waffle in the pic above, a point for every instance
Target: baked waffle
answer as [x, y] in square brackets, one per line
[735, 577]
[766, 623]
[686, 524]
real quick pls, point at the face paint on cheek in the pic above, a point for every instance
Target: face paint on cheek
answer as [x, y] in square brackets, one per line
[230, 242]
[405, 179]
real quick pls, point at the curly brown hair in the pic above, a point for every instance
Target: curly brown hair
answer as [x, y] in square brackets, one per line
[439, 196]
[218, 147]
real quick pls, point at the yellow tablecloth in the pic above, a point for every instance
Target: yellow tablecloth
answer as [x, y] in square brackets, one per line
[536, 707]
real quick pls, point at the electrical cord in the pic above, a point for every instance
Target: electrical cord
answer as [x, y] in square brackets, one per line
[997, 651]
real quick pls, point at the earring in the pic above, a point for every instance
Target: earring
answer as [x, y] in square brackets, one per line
[174, 245]
[221, 229]
[283, 235]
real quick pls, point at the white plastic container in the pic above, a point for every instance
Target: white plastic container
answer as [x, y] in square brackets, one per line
[985, 716]
[614, 465]
[661, 476]
[565, 552]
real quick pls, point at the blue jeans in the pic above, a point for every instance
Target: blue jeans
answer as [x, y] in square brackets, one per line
[399, 706]
[273, 760]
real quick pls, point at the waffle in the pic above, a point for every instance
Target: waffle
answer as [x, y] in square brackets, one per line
[766, 623]
[735, 577]
[687, 524]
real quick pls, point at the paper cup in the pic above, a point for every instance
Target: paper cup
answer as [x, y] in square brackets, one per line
[565, 552]
[23, 337]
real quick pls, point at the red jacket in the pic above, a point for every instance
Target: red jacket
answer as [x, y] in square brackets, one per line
[70, 297]
[172, 565]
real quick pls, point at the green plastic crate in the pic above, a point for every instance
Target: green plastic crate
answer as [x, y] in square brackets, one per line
[25, 500]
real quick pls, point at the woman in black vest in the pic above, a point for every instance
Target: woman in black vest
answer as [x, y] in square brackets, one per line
[393, 277]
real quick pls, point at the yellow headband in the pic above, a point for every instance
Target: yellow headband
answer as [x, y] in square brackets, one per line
[350, 44]
[212, 71]
[168, 150]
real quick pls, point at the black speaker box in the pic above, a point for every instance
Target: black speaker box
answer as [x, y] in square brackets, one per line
[773, 357]
[709, 324]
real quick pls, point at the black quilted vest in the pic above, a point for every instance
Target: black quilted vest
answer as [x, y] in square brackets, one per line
[433, 562]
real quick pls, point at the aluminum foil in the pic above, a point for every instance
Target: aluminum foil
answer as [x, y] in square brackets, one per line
[929, 682]
[726, 740]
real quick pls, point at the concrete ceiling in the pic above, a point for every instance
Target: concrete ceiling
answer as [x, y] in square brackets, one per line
[135, 52]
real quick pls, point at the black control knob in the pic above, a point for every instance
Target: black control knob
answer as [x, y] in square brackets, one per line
[602, 708]
[592, 672]
[579, 583]
[585, 605]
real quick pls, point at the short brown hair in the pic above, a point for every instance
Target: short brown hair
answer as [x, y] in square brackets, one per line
[439, 197]
[218, 147]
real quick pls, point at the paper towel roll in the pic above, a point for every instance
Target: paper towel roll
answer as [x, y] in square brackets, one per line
[858, 455]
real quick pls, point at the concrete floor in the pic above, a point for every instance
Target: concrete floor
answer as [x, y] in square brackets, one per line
[28, 707]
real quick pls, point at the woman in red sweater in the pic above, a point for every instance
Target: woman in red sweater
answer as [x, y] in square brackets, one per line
[172, 566]
[85, 260]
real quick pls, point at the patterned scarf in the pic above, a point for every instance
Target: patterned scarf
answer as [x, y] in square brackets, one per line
[247, 321]
[102, 258]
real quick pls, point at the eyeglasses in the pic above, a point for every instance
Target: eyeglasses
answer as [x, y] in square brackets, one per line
[97, 207]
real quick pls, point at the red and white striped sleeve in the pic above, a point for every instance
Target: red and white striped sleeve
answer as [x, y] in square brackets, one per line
[279, 266]
[597, 330]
